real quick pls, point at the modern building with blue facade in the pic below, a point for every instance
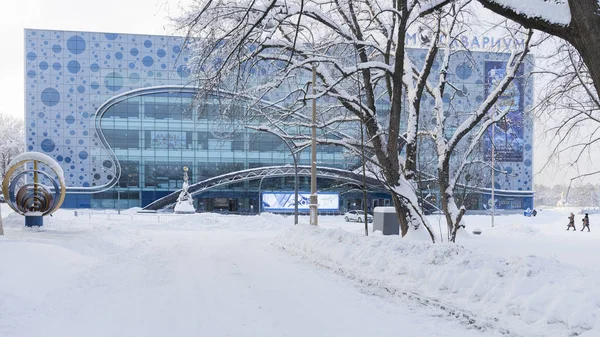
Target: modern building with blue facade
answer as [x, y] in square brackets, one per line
[119, 112]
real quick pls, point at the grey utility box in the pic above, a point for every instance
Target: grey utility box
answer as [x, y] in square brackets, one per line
[386, 221]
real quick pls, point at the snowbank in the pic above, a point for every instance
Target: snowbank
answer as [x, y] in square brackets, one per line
[86, 219]
[527, 295]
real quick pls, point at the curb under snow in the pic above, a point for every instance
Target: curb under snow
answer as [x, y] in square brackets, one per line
[528, 295]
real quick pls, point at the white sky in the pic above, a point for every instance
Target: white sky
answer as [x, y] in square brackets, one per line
[119, 16]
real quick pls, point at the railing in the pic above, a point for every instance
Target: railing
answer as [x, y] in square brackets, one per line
[152, 218]
[167, 217]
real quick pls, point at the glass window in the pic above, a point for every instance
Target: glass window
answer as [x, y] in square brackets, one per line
[237, 143]
[172, 140]
[203, 140]
[122, 139]
[129, 174]
[166, 174]
[265, 142]
[126, 109]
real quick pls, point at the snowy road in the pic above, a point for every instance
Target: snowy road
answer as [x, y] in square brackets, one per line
[191, 283]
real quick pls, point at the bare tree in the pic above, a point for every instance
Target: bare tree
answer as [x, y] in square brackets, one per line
[358, 50]
[475, 125]
[12, 140]
[570, 109]
[575, 21]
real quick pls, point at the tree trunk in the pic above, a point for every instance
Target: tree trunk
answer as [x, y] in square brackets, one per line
[449, 207]
[444, 182]
[402, 212]
[1, 226]
[583, 35]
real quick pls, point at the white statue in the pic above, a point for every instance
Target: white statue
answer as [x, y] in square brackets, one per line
[185, 202]
[562, 202]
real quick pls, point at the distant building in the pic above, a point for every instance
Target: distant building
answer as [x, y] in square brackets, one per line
[118, 112]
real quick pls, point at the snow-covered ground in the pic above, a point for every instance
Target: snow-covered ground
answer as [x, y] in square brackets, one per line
[218, 275]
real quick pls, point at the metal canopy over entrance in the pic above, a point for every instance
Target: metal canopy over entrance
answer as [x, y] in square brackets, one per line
[262, 172]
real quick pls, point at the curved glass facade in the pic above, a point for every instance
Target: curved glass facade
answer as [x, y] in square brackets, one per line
[155, 132]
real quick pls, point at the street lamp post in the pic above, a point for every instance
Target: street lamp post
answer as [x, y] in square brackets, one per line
[493, 175]
[294, 156]
[314, 199]
[260, 195]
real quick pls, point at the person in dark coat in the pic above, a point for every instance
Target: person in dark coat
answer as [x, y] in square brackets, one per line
[586, 222]
[571, 221]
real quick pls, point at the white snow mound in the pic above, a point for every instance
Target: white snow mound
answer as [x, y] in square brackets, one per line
[526, 294]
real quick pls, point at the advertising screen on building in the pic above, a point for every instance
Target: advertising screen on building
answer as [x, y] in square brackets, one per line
[507, 134]
[284, 201]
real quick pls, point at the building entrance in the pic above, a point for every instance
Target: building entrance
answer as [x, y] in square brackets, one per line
[220, 205]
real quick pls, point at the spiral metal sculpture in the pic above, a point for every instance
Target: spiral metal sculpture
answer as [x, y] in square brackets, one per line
[33, 199]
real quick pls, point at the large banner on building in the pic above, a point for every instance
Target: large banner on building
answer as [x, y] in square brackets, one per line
[507, 135]
[284, 201]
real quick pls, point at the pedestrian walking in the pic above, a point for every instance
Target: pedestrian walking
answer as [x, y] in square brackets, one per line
[586, 222]
[571, 221]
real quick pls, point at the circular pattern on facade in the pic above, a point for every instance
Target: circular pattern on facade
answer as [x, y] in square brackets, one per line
[183, 71]
[50, 97]
[134, 77]
[113, 81]
[56, 48]
[464, 70]
[73, 67]
[148, 61]
[111, 36]
[76, 44]
[48, 145]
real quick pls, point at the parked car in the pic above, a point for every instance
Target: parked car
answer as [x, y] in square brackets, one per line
[357, 216]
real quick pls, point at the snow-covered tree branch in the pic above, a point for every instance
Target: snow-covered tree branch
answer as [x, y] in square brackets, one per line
[475, 125]
[358, 50]
[12, 140]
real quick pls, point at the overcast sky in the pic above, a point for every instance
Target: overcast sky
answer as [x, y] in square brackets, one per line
[120, 16]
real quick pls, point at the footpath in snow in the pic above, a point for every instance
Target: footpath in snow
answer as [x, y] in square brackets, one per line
[520, 275]
[201, 275]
